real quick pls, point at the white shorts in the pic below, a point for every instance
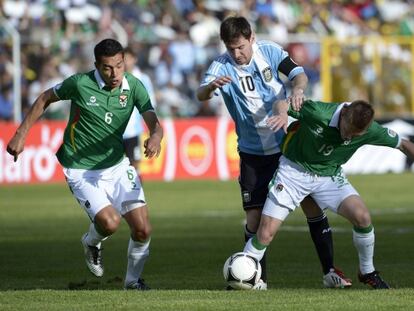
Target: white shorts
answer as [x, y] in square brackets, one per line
[118, 186]
[291, 184]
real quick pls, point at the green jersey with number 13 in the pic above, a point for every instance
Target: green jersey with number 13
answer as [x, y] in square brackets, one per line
[97, 120]
[315, 143]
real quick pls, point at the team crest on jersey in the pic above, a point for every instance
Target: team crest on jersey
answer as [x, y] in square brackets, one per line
[347, 142]
[123, 100]
[92, 101]
[267, 74]
[317, 131]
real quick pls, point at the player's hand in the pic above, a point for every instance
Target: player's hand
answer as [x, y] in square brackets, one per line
[152, 146]
[276, 122]
[296, 99]
[219, 82]
[15, 146]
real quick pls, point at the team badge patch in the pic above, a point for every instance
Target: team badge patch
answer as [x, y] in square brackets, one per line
[391, 133]
[319, 130]
[246, 196]
[92, 101]
[267, 74]
[279, 187]
[123, 100]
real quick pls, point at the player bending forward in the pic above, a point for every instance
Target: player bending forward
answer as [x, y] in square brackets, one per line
[325, 137]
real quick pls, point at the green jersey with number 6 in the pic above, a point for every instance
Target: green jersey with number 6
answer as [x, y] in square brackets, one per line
[97, 120]
[314, 141]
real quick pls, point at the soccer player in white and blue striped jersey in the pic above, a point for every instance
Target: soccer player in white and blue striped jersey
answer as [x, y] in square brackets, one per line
[248, 77]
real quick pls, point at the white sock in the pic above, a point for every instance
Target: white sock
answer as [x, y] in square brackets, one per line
[138, 253]
[364, 243]
[250, 249]
[93, 238]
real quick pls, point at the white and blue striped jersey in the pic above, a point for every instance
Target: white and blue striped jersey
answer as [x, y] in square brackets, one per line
[251, 94]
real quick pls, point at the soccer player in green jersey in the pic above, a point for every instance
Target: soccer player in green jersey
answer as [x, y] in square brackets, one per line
[325, 136]
[92, 154]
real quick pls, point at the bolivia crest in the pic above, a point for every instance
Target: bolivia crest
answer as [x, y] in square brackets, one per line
[123, 100]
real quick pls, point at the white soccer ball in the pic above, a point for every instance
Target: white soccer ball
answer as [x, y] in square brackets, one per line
[242, 271]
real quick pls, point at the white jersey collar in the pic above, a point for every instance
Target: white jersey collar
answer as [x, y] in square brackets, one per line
[101, 82]
[335, 118]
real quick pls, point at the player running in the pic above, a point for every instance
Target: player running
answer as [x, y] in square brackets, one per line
[92, 155]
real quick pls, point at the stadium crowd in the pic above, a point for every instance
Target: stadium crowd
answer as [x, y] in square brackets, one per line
[174, 40]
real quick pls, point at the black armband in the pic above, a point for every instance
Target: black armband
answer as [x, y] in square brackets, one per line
[287, 65]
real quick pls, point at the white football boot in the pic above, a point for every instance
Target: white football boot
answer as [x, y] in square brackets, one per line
[260, 285]
[93, 258]
[335, 278]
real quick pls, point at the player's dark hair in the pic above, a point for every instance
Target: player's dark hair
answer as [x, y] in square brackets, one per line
[360, 114]
[107, 47]
[234, 27]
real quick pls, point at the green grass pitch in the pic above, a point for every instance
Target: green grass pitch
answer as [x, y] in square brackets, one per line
[196, 226]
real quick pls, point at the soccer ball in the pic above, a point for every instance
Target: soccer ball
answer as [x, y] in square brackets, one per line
[242, 271]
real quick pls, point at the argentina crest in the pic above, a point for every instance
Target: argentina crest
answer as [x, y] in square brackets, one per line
[123, 99]
[267, 74]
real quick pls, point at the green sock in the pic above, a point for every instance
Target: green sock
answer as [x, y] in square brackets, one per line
[363, 230]
[257, 244]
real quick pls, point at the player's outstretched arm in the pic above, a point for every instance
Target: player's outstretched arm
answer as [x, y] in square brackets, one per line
[16, 144]
[205, 92]
[407, 147]
[152, 145]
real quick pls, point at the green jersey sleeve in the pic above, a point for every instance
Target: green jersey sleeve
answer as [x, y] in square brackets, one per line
[307, 111]
[382, 136]
[141, 97]
[67, 88]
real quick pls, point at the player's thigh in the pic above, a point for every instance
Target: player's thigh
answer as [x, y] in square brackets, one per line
[89, 195]
[354, 209]
[256, 171]
[310, 208]
[289, 187]
[331, 192]
[127, 191]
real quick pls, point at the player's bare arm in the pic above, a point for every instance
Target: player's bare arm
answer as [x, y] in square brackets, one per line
[279, 119]
[299, 84]
[16, 144]
[152, 145]
[205, 92]
[407, 147]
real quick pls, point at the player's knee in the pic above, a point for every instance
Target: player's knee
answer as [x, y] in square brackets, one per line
[110, 224]
[143, 233]
[362, 218]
